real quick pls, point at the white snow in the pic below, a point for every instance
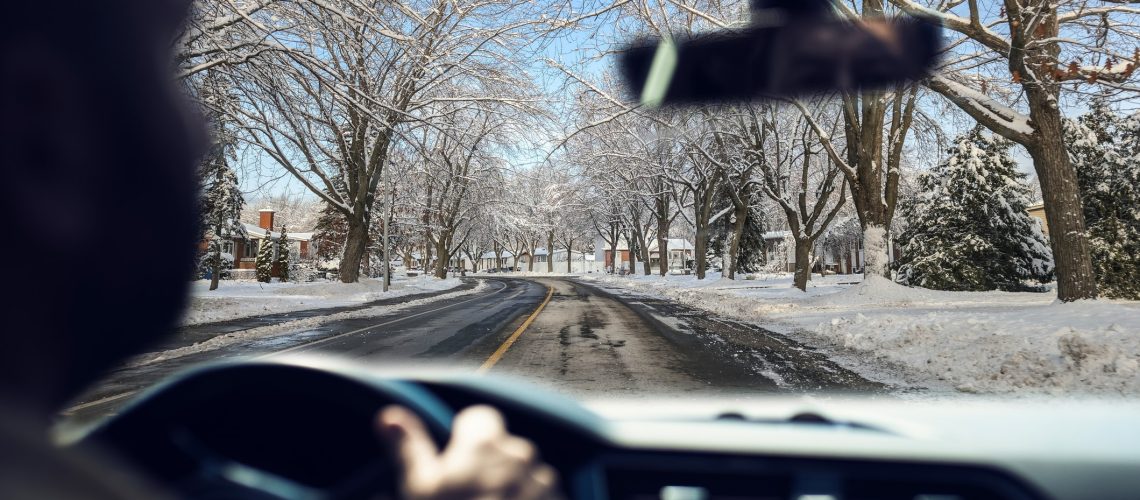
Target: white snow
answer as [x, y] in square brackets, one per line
[968, 342]
[243, 299]
[984, 104]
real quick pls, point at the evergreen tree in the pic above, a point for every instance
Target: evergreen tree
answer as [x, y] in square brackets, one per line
[213, 263]
[1105, 150]
[751, 258]
[264, 260]
[283, 262]
[969, 229]
[221, 199]
[329, 234]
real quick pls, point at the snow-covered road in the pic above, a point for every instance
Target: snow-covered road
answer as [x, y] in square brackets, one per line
[949, 342]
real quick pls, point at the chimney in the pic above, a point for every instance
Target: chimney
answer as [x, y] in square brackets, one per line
[265, 218]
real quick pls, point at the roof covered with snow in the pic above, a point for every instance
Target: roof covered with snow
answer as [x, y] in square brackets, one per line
[491, 255]
[258, 232]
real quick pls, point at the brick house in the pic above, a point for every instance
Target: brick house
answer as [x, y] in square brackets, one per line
[242, 248]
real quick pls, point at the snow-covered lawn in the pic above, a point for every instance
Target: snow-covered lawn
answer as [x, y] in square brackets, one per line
[972, 342]
[243, 299]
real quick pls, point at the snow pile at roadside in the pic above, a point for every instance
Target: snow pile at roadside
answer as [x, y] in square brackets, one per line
[975, 342]
[242, 299]
[230, 339]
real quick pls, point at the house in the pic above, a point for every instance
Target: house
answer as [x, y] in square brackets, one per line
[489, 260]
[833, 257]
[1038, 210]
[680, 252]
[243, 247]
[580, 262]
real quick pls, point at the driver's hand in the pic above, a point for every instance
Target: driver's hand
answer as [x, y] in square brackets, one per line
[482, 461]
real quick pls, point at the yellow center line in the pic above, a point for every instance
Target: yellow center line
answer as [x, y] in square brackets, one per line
[498, 354]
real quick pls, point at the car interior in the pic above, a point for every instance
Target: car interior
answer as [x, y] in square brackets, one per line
[230, 430]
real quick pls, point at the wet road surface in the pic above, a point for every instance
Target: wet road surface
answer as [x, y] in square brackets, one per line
[586, 341]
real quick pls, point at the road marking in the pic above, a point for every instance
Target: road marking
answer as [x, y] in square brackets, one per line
[498, 354]
[119, 396]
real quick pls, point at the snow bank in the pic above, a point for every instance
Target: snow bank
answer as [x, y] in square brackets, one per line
[972, 342]
[243, 299]
[294, 326]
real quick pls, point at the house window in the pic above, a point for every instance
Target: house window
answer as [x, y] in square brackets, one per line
[250, 250]
[228, 247]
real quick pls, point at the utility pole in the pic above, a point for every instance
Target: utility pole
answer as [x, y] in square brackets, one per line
[387, 257]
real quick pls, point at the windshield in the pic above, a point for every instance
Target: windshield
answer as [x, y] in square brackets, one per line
[485, 187]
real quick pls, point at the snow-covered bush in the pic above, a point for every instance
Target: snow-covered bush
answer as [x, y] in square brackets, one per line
[264, 262]
[283, 262]
[1105, 150]
[306, 270]
[206, 262]
[969, 229]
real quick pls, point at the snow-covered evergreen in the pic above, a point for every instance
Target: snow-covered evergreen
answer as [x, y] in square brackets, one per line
[329, 234]
[751, 257]
[215, 261]
[969, 229]
[265, 258]
[283, 263]
[1105, 150]
[221, 196]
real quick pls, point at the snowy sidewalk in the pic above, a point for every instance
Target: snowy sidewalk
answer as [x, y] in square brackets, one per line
[246, 299]
[964, 342]
[195, 333]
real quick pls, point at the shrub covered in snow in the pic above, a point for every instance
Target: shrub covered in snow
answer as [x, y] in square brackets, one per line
[264, 262]
[969, 230]
[283, 261]
[213, 254]
[1105, 150]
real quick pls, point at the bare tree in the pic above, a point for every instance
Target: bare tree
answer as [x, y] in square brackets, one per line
[356, 75]
[807, 184]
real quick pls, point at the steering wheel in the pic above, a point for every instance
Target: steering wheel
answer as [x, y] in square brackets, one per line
[268, 430]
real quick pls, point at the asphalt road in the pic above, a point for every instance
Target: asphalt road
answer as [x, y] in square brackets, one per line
[569, 336]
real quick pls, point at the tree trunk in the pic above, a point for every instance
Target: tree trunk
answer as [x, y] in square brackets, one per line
[803, 263]
[613, 254]
[734, 247]
[569, 256]
[1067, 236]
[216, 272]
[355, 250]
[443, 258]
[661, 203]
[550, 252]
[643, 246]
[632, 254]
[700, 248]
[876, 253]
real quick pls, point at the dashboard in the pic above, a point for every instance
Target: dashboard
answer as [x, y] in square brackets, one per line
[303, 429]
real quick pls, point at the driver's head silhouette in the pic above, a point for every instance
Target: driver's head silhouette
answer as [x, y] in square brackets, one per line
[99, 153]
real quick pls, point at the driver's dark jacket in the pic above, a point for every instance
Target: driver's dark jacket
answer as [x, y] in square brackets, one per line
[31, 468]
